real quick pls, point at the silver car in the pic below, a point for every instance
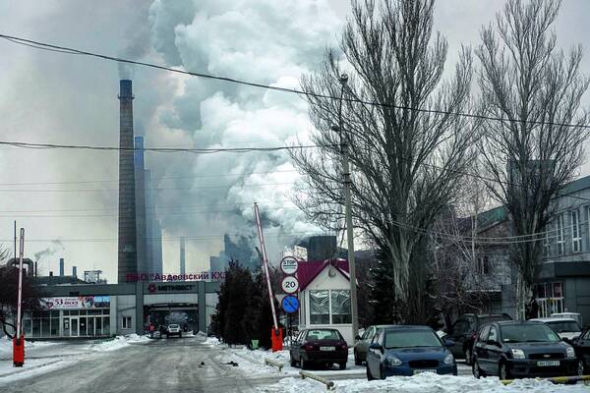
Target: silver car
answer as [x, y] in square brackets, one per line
[362, 345]
[173, 330]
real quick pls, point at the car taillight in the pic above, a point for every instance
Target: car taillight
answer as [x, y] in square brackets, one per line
[308, 347]
[343, 347]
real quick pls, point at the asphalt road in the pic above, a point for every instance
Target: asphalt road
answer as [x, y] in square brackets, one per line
[160, 366]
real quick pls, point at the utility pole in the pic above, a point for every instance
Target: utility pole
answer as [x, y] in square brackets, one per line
[18, 346]
[348, 210]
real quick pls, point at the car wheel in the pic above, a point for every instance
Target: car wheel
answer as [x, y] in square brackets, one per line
[468, 359]
[179, 335]
[303, 363]
[342, 365]
[477, 373]
[357, 360]
[369, 375]
[581, 367]
[504, 373]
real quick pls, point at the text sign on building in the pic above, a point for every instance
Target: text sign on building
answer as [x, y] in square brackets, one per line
[289, 265]
[290, 284]
[72, 303]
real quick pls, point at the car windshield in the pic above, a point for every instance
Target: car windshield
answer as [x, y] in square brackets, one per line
[528, 333]
[411, 339]
[323, 334]
[564, 326]
[174, 326]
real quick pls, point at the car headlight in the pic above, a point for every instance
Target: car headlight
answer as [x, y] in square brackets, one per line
[518, 354]
[393, 361]
[449, 359]
[570, 352]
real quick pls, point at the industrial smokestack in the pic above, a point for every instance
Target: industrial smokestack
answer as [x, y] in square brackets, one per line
[74, 271]
[127, 254]
[61, 267]
[182, 257]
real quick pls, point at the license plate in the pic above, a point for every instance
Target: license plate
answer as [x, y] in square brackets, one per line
[422, 371]
[548, 363]
[327, 348]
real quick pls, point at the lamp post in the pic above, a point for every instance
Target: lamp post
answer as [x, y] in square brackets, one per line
[348, 210]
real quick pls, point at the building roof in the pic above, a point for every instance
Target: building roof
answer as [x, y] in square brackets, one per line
[575, 186]
[308, 271]
[57, 280]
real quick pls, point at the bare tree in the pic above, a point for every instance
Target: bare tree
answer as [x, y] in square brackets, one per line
[532, 155]
[405, 161]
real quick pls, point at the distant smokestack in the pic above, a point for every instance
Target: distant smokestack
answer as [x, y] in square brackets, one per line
[182, 257]
[127, 255]
[74, 271]
[61, 267]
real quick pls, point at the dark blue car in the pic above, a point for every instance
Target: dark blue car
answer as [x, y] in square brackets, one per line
[408, 350]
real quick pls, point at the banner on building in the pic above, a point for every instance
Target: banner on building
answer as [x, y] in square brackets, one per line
[73, 303]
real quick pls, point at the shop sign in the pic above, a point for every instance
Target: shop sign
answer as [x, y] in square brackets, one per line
[78, 302]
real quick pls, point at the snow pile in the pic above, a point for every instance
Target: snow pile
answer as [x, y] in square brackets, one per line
[136, 338]
[423, 383]
[120, 342]
[212, 341]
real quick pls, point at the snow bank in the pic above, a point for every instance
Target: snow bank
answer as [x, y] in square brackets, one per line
[424, 383]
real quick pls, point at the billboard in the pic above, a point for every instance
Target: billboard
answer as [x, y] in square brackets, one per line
[75, 303]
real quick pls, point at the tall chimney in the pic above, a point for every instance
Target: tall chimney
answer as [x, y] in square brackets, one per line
[74, 271]
[127, 255]
[61, 267]
[182, 257]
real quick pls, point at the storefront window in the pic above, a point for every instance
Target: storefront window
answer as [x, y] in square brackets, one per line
[54, 327]
[341, 307]
[319, 307]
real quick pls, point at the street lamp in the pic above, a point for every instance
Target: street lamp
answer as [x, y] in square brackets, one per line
[348, 210]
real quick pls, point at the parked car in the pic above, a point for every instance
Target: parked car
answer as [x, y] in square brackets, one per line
[573, 315]
[173, 330]
[464, 331]
[362, 346]
[511, 349]
[581, 345]
[567, 328]
[408, 350]
[319, 346]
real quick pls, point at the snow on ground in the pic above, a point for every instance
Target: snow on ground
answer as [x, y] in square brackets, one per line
[45, 356]
[424, 383]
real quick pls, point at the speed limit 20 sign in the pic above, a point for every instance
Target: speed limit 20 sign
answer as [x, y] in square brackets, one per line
[290, 284]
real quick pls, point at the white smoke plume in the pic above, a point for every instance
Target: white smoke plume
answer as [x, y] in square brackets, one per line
[264, 41]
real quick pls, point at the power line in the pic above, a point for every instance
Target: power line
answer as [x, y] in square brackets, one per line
[155, 179]
[28, 145]
[72, 51]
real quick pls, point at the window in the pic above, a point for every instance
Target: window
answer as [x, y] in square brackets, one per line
[126, 322]
[560, 235]
[493, 336]
[549, 298]
[576, 234]
[484, 265]
[340, 306]
[319, 307]
[461, 327]
[484, 334]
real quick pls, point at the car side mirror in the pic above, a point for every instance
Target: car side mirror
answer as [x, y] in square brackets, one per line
[376, 346]
[358, 337]
[449, 343]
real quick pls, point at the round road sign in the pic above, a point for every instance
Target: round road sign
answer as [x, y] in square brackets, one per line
[290, 304]
[290, 284]
[289, 265]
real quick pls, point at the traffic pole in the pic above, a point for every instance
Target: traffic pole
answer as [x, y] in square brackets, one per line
[18, 341]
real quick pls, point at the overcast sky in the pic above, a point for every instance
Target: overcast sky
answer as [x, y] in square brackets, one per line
[49, 97]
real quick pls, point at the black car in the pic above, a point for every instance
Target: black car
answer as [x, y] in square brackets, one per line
[464, 331]
[319, 346]
[511, 349]
[581, 345]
